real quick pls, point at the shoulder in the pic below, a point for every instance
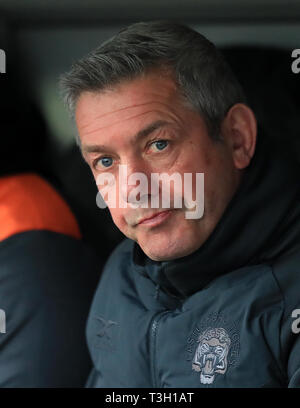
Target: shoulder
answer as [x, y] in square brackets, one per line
[48, 265]
[123, 249]
[47, 284]
[121, 257]
[286, 274]
[117, 271]
[286, 271]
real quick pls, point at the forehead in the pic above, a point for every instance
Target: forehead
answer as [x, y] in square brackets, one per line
[131, 99]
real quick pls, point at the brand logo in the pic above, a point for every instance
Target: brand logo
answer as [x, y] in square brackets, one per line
[211, 354]
[213, 347]
[105, 333]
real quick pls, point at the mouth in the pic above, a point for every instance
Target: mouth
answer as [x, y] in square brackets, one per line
[155, 219]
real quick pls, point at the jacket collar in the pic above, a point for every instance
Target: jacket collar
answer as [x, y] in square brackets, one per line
[253, 229]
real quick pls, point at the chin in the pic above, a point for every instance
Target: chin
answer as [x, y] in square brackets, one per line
[171, 241]
[160, 253]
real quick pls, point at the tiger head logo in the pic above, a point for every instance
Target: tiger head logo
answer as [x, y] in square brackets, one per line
[211, 354]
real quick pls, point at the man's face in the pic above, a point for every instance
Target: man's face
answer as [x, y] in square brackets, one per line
[110, 124]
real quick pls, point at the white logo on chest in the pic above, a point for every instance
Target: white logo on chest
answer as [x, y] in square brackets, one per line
[211, 354]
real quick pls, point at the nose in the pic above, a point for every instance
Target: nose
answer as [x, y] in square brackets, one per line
[134, 182]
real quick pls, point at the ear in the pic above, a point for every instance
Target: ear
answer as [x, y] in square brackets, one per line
[239, 130]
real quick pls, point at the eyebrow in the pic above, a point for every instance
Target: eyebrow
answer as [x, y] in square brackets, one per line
[141, 134]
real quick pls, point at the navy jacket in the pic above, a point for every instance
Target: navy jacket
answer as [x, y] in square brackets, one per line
[224, 316]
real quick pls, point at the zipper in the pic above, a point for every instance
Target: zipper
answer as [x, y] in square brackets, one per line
[153, 334]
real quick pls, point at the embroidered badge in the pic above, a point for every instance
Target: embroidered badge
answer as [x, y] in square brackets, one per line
[212, 347]
[211, 354]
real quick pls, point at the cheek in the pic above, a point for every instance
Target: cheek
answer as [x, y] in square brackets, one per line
[118, 218]
[195, 159]
[218, 184]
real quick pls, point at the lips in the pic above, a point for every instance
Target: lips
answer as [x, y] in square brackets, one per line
[156, 218]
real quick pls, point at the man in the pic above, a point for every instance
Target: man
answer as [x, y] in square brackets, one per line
[187, 301]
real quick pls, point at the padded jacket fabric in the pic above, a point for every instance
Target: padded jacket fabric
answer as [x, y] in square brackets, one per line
[223, 316]
[47, 279]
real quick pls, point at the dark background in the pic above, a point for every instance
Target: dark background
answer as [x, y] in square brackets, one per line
[42, 38]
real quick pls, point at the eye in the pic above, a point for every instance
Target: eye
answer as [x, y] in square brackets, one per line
[103, 162]
[159, 145]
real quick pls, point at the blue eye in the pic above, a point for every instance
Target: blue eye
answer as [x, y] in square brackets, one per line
[160, 144]
[105, 161]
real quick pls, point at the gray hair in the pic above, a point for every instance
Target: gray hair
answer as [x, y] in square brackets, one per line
[200, 71]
